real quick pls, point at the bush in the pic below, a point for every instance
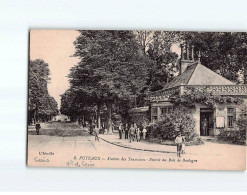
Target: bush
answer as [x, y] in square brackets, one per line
[173, 123]
[242, 120]
[232, 136]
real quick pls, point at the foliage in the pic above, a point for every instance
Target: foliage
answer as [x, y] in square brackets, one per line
[157, 46]
[233, 136]
[242, 119]
[112, 70]
[193, 96]
[75, 104]
[41, 105]
[172, 123]
[222, 52]
[117, 69]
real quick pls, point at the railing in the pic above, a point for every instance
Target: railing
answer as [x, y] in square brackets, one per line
[164, 95]
[217, 89]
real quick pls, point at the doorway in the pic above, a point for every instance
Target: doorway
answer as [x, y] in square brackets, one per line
[206, 121]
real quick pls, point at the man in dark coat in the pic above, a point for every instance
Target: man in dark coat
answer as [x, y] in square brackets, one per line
[37, 127]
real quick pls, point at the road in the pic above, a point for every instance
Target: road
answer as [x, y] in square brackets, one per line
[74, 147]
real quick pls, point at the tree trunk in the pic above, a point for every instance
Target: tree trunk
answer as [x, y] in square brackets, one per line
[98, 116]
[109, 117]
[34, 116]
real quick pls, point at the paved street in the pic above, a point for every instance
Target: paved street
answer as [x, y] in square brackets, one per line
[76, 148]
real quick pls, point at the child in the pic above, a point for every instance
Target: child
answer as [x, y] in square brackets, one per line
[96, 134]
[179, 140]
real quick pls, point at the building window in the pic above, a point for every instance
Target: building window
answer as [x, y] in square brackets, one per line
[166, 110]
[230, 117]
[170, 109]
[230, 121]
[155, 118]
[154, 110]
[163, 111]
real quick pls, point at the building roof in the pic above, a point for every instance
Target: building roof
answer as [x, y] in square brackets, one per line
[139, 109]
[197, 74]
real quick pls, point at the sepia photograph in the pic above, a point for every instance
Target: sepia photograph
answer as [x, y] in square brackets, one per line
[145, 99]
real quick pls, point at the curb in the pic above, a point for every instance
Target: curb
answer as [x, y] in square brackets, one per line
[146, 150]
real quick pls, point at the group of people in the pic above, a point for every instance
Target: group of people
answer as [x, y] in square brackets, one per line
[132, 132]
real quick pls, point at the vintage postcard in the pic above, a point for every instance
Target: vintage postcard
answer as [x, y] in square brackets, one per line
[137, 99]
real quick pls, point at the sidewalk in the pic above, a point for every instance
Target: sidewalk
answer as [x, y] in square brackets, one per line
[143, 145]
[209, 148]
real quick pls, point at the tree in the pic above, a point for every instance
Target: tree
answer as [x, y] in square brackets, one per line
[222, 52]
[41, 105]
[111, 69]
[157, 46]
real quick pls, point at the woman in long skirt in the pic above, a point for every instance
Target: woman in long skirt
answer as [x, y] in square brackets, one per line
[138, 135]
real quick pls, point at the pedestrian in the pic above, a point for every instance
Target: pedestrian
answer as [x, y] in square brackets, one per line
[96, 133]
[144, 132]
[120, 131]
[131, 133]
[179, 140]
[135, 131]
[37, 127]
[183, 146]
[138, 136]
[91, 129]
[126, 131]
[204, 127]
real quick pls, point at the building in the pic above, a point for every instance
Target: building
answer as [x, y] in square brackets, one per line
[194, 75]
[140, 115]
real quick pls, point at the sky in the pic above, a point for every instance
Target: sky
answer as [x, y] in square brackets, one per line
[55, 47]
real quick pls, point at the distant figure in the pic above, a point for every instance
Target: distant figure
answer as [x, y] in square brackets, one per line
[204, 126]
[138, 134]
[144, 132]
[120, 131]
[96, 134]
[183, 146]
[132, 133]
[135, 131]
[37, 127]
[91, 129]
[126, 131]
[179, 140]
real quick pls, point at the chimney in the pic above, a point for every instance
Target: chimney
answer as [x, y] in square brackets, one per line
[184, 63]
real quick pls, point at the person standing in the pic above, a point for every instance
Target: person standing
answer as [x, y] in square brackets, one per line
[131, 133]
[138, 134]
[204, 126]
[37, 127]
[91, 129]
[179, 140]
[120, 131]
[135, 131]
[144, 132]
[183, 146]
[96, 133]
[126, 131]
